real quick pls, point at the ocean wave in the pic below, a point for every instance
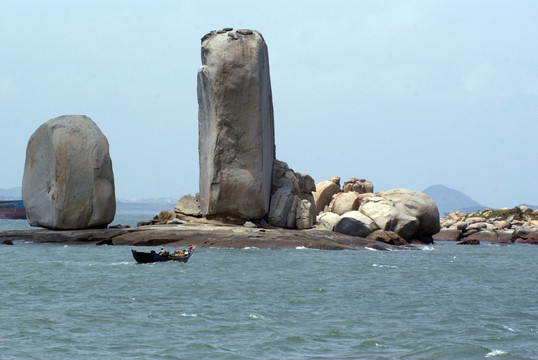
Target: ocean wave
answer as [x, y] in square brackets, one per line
[508, 328]
[385, 266]
[425, 247]
[256, 317]
[495, 353]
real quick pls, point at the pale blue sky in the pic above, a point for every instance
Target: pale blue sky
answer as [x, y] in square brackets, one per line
[406, 94]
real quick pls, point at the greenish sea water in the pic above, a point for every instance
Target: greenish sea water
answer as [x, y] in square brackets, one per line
[440, 302]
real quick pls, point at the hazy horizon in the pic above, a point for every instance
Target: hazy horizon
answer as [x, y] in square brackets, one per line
[405, 94]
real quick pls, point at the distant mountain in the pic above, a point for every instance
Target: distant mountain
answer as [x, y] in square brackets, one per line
[449, 200]
[139, 206]
[14, 193]
[533, 207]
[144, 206]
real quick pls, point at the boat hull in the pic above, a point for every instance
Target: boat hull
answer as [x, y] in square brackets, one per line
[153, 257]
[12, 210]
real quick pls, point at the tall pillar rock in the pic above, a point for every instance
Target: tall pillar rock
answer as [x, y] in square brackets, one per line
[236, 126]
[68, 181]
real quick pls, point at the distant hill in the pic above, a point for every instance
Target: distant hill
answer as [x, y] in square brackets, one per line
[139, 206]
[449, 200]
[533, 207]
[15, 193]
[144, 206]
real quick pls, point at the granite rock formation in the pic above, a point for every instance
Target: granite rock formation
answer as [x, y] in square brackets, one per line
[68, 181]
[292, 202]
[395, 214]
[188, 205]
[356, 224]
[502, 226]
[324, 193]
[361, 186]
[411, 214]
[236, 130]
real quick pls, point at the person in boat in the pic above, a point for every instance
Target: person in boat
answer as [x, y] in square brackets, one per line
[180, 253]
[163, 252]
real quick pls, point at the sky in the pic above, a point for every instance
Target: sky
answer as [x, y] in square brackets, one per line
[406, 94]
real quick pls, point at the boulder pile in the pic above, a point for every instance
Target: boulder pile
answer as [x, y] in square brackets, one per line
[396, 216]
[503, 226]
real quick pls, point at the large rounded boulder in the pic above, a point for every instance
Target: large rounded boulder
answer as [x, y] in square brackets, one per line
[409, 213]
[68, 181]
[324, 193]
[356, 224]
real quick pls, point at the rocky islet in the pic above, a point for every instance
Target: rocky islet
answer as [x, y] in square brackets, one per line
[244, 189]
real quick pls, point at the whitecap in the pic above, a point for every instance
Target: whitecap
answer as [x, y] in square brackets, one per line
[369, 248]
[385, 266]
[508, 328]
[496, 353]
[300, 248]
[250, 248]
[189, 315]
[256, 317]
[426, 247]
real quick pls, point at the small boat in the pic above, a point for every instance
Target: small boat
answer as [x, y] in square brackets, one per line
[12, 209]
[152, 257]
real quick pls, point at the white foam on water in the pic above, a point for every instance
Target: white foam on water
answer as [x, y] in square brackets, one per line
[300, 248]
[495, 353]
[385, 266]
[256, 317]
[189, 315]
[369, 248]
[426, 247]
[251, 248]
[508, 328]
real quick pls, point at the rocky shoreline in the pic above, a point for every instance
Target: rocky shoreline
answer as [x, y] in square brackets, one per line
[202, 234]
[504, 226]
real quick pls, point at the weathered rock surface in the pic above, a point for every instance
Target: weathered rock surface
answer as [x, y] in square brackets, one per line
[361, 186]
[328, 220]
[68, 180]
[502, 226]
[389, 237]
[447, 235]
[344, 202]
[324, 193]
[292, 202]
[411, 214]
[208, 234]
[188, 205]
[236, 131]
[356, 224]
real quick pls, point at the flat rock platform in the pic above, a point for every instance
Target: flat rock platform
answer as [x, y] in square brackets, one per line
[203, 235]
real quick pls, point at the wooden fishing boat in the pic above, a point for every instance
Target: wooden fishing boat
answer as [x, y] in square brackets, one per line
[152, 257]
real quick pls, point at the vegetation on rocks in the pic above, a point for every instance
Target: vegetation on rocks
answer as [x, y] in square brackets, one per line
[519, 224]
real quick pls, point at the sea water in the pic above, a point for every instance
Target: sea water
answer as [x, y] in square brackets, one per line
[442, 301]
